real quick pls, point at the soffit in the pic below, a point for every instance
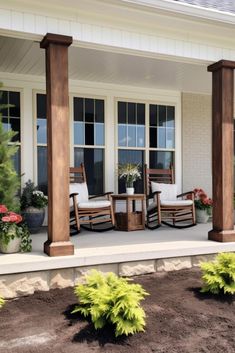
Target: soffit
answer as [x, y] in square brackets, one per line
[18, 56]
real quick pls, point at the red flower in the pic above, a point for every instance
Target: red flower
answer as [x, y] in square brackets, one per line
[6, 219]
[3, 209]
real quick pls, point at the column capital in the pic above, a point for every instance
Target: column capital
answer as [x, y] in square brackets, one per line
[227, 64]
[51, 38]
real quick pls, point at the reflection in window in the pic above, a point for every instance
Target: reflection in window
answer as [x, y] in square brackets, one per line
[162, 126]
[89, 131]
[131, 124]
[161, 159]
[41, 142]
[11, 116]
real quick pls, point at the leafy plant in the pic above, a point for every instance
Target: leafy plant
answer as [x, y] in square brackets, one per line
[106, 298]
[2, 302]
[9, 180]
[11, 226]
[31, 196]
[129, 172]
[219, 276]
[202, 201]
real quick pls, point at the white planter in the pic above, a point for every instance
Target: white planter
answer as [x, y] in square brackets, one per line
[130, 191]
[201, 216]
[12, 247]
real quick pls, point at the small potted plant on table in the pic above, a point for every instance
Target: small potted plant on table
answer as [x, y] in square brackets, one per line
[129, 172]
[33, 203]
[203, 205]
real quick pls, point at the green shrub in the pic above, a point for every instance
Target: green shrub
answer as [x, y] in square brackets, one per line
[106, 298]
[219, 276]
[2, 302]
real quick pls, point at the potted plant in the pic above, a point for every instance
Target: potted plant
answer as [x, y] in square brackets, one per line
[33, 203]
[14, 234]
[129, 172]
[203, 205]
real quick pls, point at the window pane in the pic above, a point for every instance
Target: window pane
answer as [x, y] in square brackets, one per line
[170, 138]
[162, 115]
[89, 110]
[131, 138]
[16, 161]
[140, 114]
[14, 99]
[135, 157]
[161, 159]
[122, 135]
[153, 137]
[4, 101]
[93, 159]
[41, 106]
[153, 115]
[122, 112]
[131, 113]
[41, 131]
[89, 134]
[79, 133]
[78, 109]
[15, 126]
[99, 111]
[99, 134]
[140, 136]
[42, 168]
[161, 137]
[170, 117]
[6, 124]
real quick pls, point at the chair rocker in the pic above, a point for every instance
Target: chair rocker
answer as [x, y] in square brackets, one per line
[163, 205]
[85, 211]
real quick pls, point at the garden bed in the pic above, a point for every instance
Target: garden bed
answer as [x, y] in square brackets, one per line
[179, 319]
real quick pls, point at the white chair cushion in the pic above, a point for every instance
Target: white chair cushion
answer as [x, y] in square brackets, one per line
[94, 204]
[177, 203]
[81, 190]
[168, 191]
[171, 203]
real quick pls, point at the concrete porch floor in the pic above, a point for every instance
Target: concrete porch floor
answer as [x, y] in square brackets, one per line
[116, 247]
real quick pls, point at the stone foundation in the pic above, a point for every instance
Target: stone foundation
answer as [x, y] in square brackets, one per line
[16, 285]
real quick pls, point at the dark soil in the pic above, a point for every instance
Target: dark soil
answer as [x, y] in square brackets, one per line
[179, 320]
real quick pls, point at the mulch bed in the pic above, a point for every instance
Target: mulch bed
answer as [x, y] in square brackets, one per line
[179, 319]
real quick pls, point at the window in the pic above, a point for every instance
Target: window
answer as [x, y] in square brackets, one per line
[161, 136]
[11, 120]
[131, 138]
[41, 142]
[89, 140]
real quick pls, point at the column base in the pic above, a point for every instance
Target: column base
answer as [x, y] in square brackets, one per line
[59, 248]
[222, 236]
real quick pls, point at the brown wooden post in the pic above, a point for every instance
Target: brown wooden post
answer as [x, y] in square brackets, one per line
[56, 46]
[222, 151]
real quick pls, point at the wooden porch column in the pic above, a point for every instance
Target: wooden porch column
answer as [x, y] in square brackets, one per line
[56, 46]
[222, 151]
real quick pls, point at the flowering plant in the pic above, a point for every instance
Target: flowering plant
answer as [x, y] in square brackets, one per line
[32, 197]
[202, 201]
[11, 226]
[130, 172]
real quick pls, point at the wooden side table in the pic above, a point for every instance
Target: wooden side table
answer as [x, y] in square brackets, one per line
[131, 219]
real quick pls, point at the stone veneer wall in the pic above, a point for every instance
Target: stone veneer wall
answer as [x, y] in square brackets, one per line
[16, 285]
[196, 142]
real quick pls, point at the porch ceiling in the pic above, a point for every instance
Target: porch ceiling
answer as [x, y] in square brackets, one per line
[20, 56]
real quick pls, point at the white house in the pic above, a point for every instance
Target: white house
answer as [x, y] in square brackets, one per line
[139, 89]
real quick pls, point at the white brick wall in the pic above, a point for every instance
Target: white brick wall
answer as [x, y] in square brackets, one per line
[196, 137]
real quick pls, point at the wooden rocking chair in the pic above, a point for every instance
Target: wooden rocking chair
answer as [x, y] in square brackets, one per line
[85, 212]
[166, 206]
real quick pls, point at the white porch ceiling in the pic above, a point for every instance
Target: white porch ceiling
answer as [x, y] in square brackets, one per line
[24, 57]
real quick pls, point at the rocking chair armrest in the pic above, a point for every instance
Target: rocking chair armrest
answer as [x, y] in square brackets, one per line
[100, 195]
[186, 193]
[156, 196]
[73, 194]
